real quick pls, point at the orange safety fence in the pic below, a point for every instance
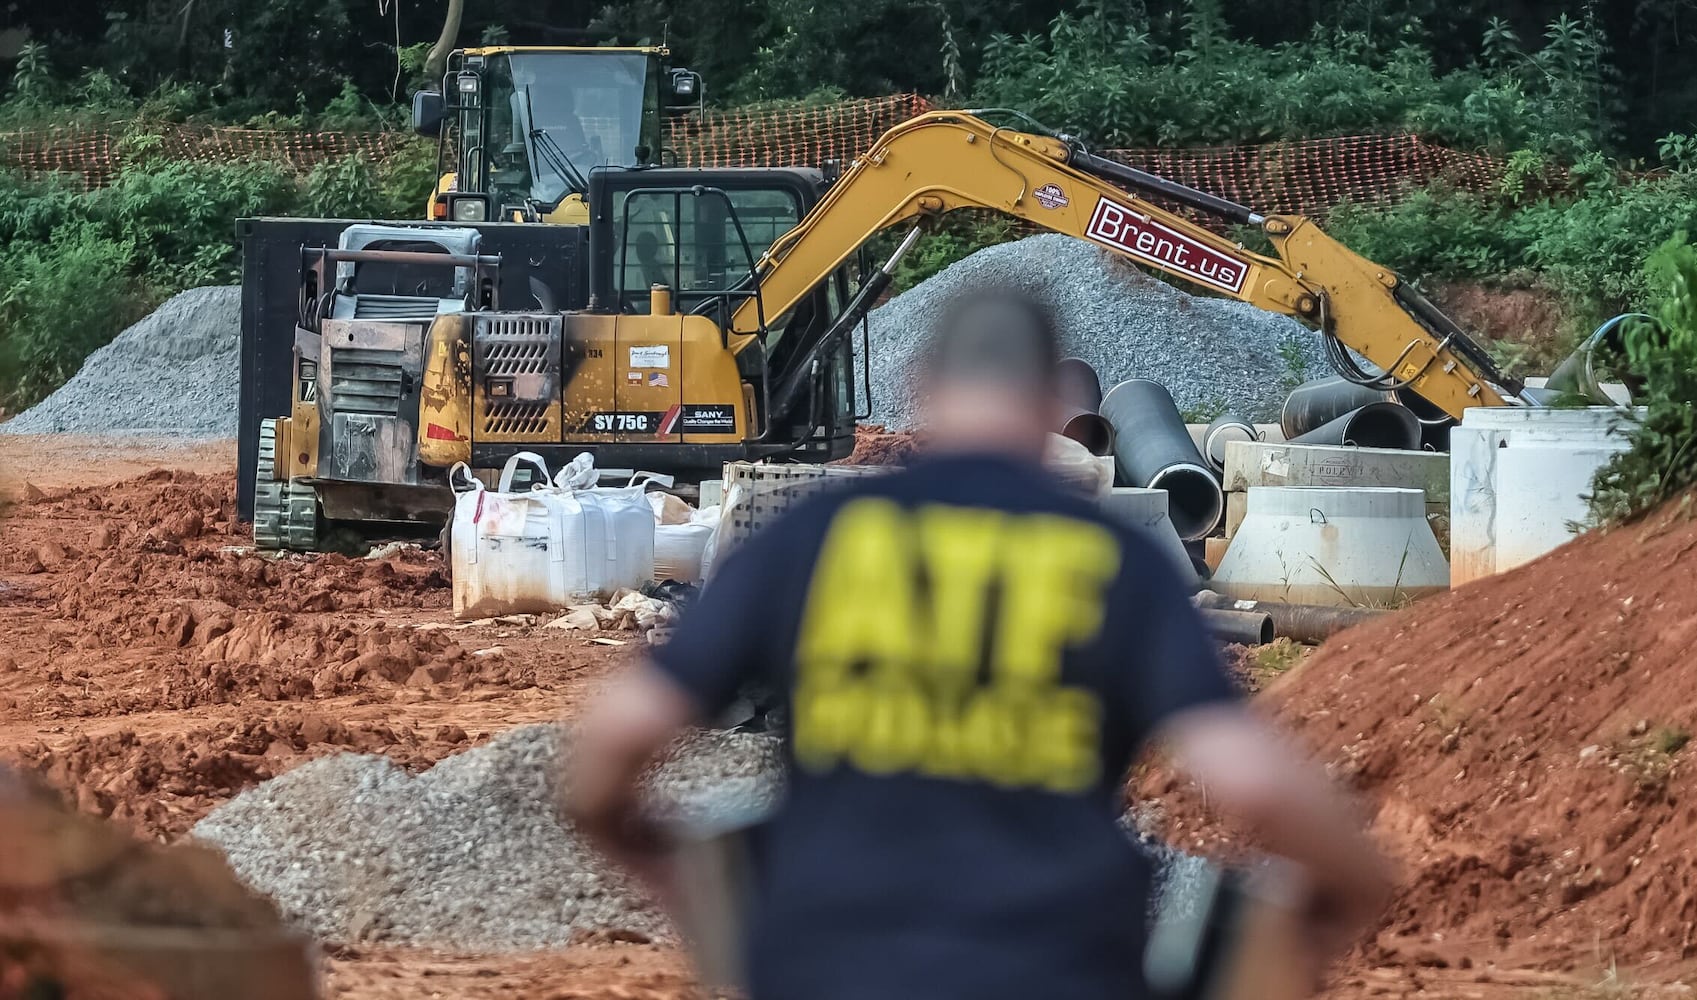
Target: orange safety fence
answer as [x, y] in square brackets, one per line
[97, 152]
[1311, 176]
[1307, 176]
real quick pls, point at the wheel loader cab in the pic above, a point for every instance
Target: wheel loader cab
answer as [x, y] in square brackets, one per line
[519, 129]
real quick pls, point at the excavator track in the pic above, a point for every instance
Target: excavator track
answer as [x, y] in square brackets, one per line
[268, 505]
[285, 514]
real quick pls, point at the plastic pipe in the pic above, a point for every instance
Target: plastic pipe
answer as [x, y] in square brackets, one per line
[1309, 623]
[1250, 628]
[1152, 449]
[1077, 384]
[1435, 424]
[1225, 429]
[1314, 404]
[1376, 425]
[1089, 429]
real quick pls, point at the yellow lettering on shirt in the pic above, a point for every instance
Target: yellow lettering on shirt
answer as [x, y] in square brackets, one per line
[932, 642]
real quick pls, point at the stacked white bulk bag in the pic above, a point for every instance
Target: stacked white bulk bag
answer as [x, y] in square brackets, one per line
[560, 543]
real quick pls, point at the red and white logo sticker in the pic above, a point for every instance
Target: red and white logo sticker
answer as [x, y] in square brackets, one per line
[1051, 196]
[1132, 232]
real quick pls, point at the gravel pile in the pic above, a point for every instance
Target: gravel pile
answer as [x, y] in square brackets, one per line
[1209, 353]
[468, 854]
[175, 372]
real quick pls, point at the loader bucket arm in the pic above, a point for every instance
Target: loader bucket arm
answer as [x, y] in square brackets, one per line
[947, 160]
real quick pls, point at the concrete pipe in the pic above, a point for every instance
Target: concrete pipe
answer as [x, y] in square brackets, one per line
[1248, 628]
[1153, 449]
[1435, 424]
[1313, 404]
[1222, 430]
[1077, 384]
[1376, 425]
[1309, 623]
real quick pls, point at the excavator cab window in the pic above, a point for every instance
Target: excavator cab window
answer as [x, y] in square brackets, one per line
[693, 244]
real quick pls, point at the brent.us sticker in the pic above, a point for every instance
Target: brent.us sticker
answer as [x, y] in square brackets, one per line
[1051, 196]
[1130, 231]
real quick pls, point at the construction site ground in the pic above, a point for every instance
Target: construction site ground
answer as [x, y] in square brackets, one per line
[151, 668]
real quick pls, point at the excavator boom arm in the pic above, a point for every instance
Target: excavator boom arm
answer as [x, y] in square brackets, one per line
[943, 161]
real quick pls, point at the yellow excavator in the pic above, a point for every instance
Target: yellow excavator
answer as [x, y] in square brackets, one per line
[720, 316]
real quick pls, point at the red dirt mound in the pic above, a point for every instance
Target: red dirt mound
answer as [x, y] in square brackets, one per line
[873, 445]
[163, 785]
[1523, 740]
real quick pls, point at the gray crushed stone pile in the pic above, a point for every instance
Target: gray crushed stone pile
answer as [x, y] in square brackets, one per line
[1211, 354]
[176, 371]
[469, 854]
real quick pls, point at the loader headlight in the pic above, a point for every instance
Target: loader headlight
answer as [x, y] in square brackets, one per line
[468, 207]
[466, 83]
[686, 86]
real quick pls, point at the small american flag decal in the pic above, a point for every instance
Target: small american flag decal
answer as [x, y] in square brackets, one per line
[658, 380]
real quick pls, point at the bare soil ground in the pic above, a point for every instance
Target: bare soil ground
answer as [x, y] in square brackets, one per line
[151, 668]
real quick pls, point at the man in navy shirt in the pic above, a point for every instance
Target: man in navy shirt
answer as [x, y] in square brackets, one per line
[970, 657]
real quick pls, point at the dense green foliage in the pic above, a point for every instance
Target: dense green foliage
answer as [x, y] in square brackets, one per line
[1590, 243]
[1542, 74]
[1662, 461]
[1113, 79]
[76, 267]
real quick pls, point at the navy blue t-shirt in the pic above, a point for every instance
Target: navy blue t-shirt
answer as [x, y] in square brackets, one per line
[969, 658]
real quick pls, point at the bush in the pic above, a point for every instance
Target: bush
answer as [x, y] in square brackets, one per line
[1662, 459]
[59, 303]
[1589, 245]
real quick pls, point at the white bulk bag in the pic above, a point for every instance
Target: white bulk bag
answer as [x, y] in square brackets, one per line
[678, 549]
[539, 551]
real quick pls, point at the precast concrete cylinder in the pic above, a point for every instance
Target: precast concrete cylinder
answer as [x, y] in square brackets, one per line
[1335, 546]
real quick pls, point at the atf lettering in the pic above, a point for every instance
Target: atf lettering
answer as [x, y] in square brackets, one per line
[932, 642]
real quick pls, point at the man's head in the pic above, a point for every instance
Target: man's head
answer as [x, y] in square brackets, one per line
[989, 375]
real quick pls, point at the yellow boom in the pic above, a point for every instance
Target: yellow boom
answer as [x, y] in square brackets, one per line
[946, 160]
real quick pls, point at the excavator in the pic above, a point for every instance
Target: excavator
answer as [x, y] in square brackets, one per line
[721, 310]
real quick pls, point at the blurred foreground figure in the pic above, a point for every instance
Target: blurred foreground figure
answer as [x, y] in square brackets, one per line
[971, 658]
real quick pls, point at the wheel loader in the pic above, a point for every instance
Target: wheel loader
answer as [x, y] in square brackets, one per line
[720, 312]
[518, 129]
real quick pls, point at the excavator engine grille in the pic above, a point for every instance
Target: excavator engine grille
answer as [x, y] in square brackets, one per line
[516, 377]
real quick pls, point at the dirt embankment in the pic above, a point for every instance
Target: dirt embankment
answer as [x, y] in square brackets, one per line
[151, 665]
[1534, 320]
[1523, 741]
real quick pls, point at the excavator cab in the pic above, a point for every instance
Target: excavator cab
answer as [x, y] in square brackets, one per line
[519, 129]
[648, 375]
